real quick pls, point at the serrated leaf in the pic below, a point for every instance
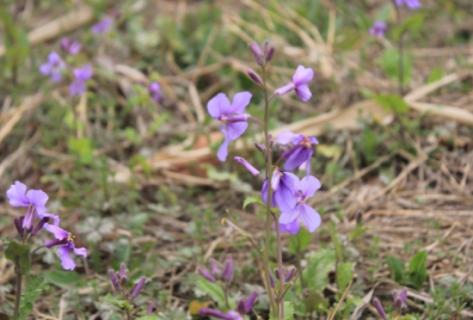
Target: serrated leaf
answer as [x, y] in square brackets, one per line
[252, 200]
[318, 267]
[19, 252]
[62, 278]
[213, 290]
[344, 275]
[34, 287]
[396, 267]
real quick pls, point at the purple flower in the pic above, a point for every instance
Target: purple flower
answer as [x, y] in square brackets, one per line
[154, 90]
[400, 299]
[233, 117]
[245, 306]
[135, 292]
[81, 76]
[70, 46]
[291, 228]
[35, 201]
[102, 26]
[302, 212]
[300, 149]
[248, 166]
[378, 29]
[410, 4]
[282, 184]
[379, 308]
[216, 271]
[53, 67]
[228, 270]
[64, 240]
[300, 83]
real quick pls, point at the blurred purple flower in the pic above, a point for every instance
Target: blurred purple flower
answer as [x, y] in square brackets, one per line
[248, 166]
[154, 90]
[378, 29]
[410, 4]
[300, 149]
[379, 307]
[233, 117]
[302, 212]
[245, 306]
[35, 201]
[263, 54]
[64, 240]
[282, 184]
[70, 46]
[217, 272]
[137, 288]
[102, 26]
[400, 299]
[291, 228]
[300, 83]
[228, 270]
[53, 67]
[81, 76]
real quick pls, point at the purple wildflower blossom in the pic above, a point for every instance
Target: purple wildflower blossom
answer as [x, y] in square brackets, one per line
[228, 270]
[70, 46]
[282, 184]
[137, 288]
[378, 29]
[291, 228]
[102, 26]
[35, 201]
[81, 76]
[233, 117]
[400, 299]
[300, 84]
[245, 306]
[53, 67]
[300, 149]
[410, 4]
[154, 90]
[64, 240]
[248, 166]
[217, 272]
[302, 212]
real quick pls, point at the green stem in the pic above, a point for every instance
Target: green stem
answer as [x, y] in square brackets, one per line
[400, 49]
[18, 280]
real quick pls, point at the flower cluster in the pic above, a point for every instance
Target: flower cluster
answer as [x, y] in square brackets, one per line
[245, 306]
[218, 272]
[118, 280]
[37, 218]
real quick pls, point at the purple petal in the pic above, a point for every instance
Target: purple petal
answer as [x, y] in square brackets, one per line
[223, 150]
[45, 69]
[208, 312]
[42, 214]
[303, 92]
[285, 199]
[77, 88]
[28, 219]
[64, 254]
[286, 137]
[56, 76]
[291, 228]
[37, 198]
[137, 288]
[235, 129]
[240, 101]
[288, 217]
[309, 217]
[284, 89]
[204, 272]
[228, 270]
[296, 156]
[302, 75]
[81, 252]
[16, 195]
[56, 231]
[276, 179]
[309, 185]
[218, 105]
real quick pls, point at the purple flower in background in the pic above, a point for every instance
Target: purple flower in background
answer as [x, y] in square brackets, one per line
[233, 117]
[53, 67]
[282, 184]
[35, 201]
[248, 166]
[70, 46]
[118, 278]
[102, 26]
[300, 83]
[400, 299]
[154, 90]
[379, 308]
[302, 212]
[216, 271]
[81, 76]
[378, 29]
[245, 306]
[300, 149]
[137, 288]
[64, 240]
[410, 4]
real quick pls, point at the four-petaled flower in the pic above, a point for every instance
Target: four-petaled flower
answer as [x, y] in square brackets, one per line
[300, 149]
[410, 4]
[35, 201]
[81, 76]
[378, 29]
[302, 213]
[233, 117]
[53, 67]
[300, 84]
[64, 240]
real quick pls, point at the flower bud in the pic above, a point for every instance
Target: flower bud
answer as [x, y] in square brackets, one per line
[19, 226]
[137, 288]
[248, 166]
[246, 305]
[215, 267]
[114, 280]
[122, 273]
[204, 272]
[228, 270]
[268, 51]
[255, 77]
[400, 299]
[257, 53]
[379, 307]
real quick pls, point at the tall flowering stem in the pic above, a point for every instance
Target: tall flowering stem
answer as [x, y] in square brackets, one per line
[400, 49]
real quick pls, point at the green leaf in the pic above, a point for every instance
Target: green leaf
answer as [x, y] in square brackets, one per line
[392, 102]
[34, 287]
[148, 317]
[389, 62]
[61, 278]
[396, 267]
[344, 275]
[299, 242]
[418, 269]
[213, 290]
[288, 310]
[117, 302]
[252, 200]
[318, 267]
[81, 148]
[19, 252]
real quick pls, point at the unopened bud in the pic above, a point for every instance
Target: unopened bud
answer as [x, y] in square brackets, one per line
[114, 280]
[257, 53]
[246, 304]
[135, 292]
[379, 307]
[204, 272]
[228, 270]
[268, 51]
[255, 77]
